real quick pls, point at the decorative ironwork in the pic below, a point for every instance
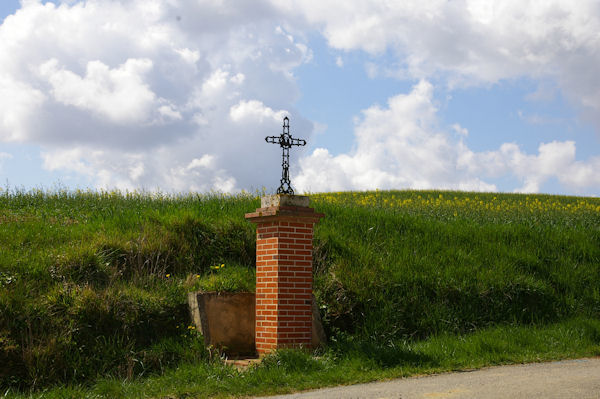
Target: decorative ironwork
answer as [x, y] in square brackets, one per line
[285, 141]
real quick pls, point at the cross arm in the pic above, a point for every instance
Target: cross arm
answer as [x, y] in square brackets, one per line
[273, 139]
[298, 142]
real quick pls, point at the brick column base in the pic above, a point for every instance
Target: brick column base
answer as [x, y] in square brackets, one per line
[284, 246]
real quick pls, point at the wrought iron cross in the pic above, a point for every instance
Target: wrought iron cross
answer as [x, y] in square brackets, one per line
[285, 141]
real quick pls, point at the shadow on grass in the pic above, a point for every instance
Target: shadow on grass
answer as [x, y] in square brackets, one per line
[375, 355]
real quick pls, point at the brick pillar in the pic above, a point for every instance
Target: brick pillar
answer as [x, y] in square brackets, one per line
[284, 232]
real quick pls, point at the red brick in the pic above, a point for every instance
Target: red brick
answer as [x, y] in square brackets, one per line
[300, 224]
[284, 279]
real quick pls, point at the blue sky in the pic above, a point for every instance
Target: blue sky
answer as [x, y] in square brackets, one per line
[178, 96]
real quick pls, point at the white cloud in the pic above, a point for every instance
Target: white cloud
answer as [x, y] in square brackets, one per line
[151, 93]
[402, 146]
[556, 160]
[120, 94]
[464, 132]
[18, 103]
[399, 146]
[254, 109]
[472, 42]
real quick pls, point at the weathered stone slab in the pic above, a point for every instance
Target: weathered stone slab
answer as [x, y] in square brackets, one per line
[278, 200]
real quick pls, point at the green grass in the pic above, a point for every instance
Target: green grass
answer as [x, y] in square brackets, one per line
[93, 287]
[350, 361]
[94, 284]
[435, 265]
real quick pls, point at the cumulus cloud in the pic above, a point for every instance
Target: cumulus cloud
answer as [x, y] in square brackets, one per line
[553, 160]
[253, 110]
[472, 42]
[18, 103]
[403, 146]
[150, 93]
[120, 94]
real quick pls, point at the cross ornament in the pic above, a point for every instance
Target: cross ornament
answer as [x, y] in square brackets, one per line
[285, 141]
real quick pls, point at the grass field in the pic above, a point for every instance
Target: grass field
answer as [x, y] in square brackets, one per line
[93, 287]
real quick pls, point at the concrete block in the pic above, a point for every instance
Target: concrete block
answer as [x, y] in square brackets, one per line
[318, 333]
[226, 320]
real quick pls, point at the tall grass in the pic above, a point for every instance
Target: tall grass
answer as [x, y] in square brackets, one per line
[413, 264]
[94, 284]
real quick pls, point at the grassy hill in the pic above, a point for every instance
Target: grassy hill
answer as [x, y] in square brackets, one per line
[93, 285]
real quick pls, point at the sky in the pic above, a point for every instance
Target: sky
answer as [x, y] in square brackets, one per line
[178, 95]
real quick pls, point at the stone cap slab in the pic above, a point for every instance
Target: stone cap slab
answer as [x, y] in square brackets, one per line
[281, 206]
[277, 200]
[284, 212]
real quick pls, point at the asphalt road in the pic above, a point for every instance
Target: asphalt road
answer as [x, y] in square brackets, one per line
[566, 379]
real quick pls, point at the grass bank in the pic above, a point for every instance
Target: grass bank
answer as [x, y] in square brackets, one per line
[93, 286]
[350, 362]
